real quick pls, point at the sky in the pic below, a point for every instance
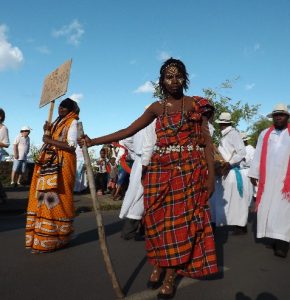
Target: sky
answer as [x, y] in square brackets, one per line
[117, 49]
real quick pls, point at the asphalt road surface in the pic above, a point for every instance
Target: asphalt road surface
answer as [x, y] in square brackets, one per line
[248, 269]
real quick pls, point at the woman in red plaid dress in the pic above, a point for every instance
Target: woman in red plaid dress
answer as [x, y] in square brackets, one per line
[177, 182]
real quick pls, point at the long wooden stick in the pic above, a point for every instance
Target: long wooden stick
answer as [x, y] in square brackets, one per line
[50, 113]
[97, 210]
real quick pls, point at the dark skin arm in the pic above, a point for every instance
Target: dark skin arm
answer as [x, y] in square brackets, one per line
[254, 181]
[47, 139]
[2, 145]
[148, 116]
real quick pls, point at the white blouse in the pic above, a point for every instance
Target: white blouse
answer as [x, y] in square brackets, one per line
[4, 136]
[72, 134]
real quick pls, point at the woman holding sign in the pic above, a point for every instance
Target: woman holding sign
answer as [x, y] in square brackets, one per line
[50, 209]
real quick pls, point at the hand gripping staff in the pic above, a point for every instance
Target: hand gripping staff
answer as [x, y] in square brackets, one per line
[97, 210]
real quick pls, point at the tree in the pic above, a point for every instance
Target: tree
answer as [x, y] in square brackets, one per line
[257, 128]
[237, 109]
[157, 91]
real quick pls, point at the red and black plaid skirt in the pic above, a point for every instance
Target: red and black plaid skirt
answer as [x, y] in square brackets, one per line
[177, 218]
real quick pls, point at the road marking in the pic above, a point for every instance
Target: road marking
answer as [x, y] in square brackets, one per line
[151, 294]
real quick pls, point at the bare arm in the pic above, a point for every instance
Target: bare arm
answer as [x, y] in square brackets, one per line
[15, 151]
[148, 116]
[58, 144]
[3, 145]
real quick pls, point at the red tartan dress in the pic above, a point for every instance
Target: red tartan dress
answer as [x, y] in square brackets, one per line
[177, 217]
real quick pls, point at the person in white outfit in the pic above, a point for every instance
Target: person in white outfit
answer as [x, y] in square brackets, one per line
[81, 182]
[270, 171]
[245, 165]
[230, 201]
[21, 147]
[133, 207]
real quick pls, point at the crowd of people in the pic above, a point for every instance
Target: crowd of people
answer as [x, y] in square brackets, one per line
[176, 185]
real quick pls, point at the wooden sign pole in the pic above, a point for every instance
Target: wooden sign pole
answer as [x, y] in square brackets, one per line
[50, 113]
[99, 219]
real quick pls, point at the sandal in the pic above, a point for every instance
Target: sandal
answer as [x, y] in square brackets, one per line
[167, 290]
[155, 279]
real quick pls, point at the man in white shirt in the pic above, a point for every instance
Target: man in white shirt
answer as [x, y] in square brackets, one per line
[229, 204]
[21, 148]
[270, 171]
[245, 165]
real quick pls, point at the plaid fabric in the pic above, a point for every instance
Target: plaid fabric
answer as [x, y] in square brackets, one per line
[177, 220]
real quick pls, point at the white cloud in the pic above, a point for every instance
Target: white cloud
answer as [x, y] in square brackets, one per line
[147, 87]
[72, 32]
[77, 97]
[43, 50]
[11, 57]
[249, 86]
[163, 55]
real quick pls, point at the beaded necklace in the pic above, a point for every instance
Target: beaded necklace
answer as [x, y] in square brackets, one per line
[176, 127]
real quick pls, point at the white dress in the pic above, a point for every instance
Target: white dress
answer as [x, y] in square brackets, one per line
[273, 216]
[143, 143]
[81, 182]
[227, 206]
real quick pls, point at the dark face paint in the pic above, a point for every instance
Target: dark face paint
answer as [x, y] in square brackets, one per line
[173, 80]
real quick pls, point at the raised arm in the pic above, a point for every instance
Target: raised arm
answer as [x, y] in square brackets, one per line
[148, 116]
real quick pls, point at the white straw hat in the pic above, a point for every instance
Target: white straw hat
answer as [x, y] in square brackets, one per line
[225, 118]
[25, 128]
[279, 108]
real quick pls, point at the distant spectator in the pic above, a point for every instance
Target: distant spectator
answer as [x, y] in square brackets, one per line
[113, 174]
[21, 148]
[101, 176]
[4, 143]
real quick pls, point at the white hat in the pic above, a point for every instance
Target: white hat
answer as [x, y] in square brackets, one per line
[25, 128]
[244, 136]
[224, 117]
[279, 108]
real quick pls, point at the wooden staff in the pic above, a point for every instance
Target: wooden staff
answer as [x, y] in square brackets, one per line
[50, 113]
[97, 210]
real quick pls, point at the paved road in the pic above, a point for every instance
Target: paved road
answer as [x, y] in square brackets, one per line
[249, 270]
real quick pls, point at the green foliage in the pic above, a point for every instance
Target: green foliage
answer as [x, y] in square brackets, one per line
[222, 103]
[157, 91]
[34, 152]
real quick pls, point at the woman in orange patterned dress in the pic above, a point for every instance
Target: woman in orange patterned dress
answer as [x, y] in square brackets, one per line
[177, 182]
[50, 209]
